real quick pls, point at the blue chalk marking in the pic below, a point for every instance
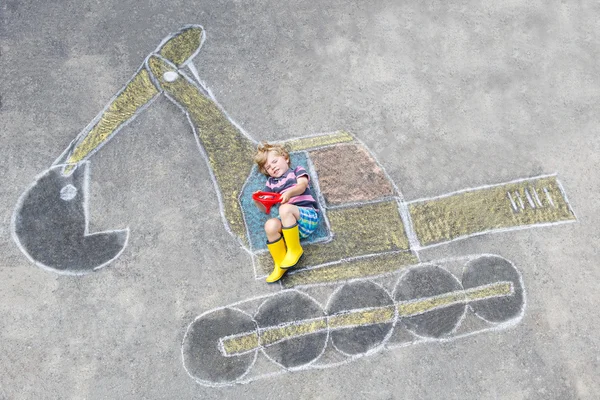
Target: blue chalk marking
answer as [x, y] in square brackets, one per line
[255, 219]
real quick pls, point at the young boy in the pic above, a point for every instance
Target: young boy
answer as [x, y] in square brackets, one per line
[298, 212]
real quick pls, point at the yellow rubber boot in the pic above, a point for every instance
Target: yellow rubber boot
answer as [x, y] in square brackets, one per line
[278, 251]
[294, 250]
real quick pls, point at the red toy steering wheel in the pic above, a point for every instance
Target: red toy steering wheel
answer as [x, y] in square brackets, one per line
[267, 199]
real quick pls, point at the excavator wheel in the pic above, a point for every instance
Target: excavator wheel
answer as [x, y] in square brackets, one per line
[203, 355]
[369, 331]
[430, 282]
[286, 342]
[487, 270]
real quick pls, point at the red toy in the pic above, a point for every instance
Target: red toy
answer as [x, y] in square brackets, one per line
[267, 199]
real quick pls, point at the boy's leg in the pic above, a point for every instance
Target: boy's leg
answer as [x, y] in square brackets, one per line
[289, 214]
[276, 247]
[289, 217]
[273, 229]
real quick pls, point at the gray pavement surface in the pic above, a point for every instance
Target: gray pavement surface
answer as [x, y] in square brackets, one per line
[446, 96]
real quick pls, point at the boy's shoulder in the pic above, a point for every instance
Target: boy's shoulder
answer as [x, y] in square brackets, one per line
[299, 168]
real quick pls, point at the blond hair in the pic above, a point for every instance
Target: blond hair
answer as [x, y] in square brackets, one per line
[260, 158]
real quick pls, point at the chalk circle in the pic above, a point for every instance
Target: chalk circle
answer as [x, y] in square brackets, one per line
[364, 336]
[170, 76]
[202, 354]
[488, 270]
[424, 284]
[68, 192]
[284, 309]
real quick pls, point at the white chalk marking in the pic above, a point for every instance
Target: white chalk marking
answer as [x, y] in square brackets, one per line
[350, 259]
[385, 339]
[85, 191]
[514, 206]
[303, 366]
[529, 199]
[564, 195]
[500, 230]
[520, 200]
[170, 76]
[210, 383]
[62, 159]
[384, 345]
[68, 192]
[424, 199]
[549, 197]
[535, 195]
[172, 35]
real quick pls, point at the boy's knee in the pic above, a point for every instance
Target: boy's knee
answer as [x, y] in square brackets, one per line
[273, 225]
[286, 209]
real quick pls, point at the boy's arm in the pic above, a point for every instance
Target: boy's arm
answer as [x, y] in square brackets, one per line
[296, 190]
[260, 206]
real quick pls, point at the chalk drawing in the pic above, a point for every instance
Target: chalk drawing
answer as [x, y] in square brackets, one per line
[369, 236]
[291, 330]
[51, 225]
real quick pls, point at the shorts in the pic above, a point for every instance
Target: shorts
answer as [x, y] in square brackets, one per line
[308, 221]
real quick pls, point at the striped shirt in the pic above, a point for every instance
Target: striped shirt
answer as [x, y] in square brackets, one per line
[288, 180]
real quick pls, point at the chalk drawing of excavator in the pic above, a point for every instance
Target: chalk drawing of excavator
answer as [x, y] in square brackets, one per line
[364, 255]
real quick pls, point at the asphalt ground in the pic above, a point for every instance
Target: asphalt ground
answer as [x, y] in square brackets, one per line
[445, 96]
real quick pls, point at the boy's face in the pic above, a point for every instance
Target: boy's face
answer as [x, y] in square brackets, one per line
[276, 165]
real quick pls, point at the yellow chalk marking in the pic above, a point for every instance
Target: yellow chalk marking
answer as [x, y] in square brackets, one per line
[241, 344]
[318, 141]
[183, 45]
[245, 342]
[421, 306]
[360, 230]
[359, 268]
[446, 218]
[229, 152]
[139, 91]
[490, 291]
[273, 335]
[380, 315]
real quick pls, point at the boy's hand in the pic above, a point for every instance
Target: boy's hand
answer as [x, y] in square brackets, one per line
[285, 197]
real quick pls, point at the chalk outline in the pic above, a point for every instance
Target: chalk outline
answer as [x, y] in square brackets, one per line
[78, 139]
[462, 315]
[385, 339]
[262, 348]
[501, 230]
[403, 206]
[85, 203]
[209, 383]
[63, 157]
[401, 202]
[451, 336]
[514, 290]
